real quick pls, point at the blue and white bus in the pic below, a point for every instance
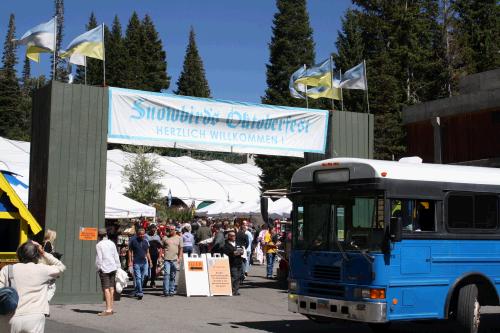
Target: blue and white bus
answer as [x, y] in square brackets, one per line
[380, 241]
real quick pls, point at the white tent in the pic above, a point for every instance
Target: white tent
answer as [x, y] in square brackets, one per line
[186, 178]
[119, 206]
[230, 209]
[192, 180]
[281, 208]
[213, 209]
[248, 208]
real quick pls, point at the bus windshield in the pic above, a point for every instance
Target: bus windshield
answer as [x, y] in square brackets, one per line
[323, 222]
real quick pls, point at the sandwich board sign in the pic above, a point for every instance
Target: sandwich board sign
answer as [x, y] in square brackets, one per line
[193, 278]
[219, 276]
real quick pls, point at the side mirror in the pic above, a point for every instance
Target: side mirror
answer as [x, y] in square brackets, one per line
[395, 230]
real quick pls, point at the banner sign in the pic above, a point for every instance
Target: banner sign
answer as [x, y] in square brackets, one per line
[219, 276]
[89, 234]
[166, 120]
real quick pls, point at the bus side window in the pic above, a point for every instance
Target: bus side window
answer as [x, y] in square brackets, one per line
[426, 215]
[416, 215]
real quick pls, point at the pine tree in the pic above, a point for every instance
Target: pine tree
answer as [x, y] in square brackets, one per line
[26, 76]
[9, 86]
[116, 56]
[153, 58]
[133, 44]
[61, 64]
[350, 52]
[192, 81]
[291, 46]
[379, 21]
[478, 34]
[94, 66]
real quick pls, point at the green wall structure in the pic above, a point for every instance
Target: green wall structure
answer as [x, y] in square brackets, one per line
[68, 178]
[350, 134]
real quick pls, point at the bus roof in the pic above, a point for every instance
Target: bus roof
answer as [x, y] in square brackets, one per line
[365, 168]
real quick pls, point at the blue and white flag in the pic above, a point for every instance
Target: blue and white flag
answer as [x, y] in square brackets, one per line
[354, 78]
[297, 90]
[39, 39]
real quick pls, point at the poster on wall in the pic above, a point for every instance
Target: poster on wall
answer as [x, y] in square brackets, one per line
[167, 120]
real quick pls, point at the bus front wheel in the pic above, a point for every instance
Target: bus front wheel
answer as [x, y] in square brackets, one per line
[468, 308]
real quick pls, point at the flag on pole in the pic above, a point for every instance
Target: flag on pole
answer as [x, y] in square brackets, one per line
[354, 78]
[319, 77]
[77, 59]
[297, 90]
[39, 39]
[89, 44]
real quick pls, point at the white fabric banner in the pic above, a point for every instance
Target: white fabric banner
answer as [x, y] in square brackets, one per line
[166, 120]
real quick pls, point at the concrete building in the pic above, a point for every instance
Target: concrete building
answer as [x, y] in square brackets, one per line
[463, 129]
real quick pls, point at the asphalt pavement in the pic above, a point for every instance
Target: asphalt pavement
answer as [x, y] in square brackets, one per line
[262, 307]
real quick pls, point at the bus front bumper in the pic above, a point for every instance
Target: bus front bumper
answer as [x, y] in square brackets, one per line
[367, 312]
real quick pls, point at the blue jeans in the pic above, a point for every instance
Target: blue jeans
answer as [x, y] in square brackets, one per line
[270, 263]
[169, 271]
[187, 250]
[140, 272]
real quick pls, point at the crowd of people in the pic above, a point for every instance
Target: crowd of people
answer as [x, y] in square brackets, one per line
[147, 250]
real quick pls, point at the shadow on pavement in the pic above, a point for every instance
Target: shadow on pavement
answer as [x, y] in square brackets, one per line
[270, 284]
[298, 326]
[489, 324]
[86, 311]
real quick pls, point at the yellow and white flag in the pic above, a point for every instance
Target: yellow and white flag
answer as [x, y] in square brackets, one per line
[89, 44]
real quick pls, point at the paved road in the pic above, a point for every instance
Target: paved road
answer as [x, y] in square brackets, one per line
[262, 307]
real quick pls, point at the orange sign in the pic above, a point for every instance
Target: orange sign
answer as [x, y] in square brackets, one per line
[88, 234]
[219, 276]
[195, 266]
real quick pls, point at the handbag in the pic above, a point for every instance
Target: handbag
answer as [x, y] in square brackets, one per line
[9, 297]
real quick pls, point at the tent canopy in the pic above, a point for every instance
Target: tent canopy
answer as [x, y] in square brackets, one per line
[280, 208]
[119, 206]
[192, 180]
[188, 179]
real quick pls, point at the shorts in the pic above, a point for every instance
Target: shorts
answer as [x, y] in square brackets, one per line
[107, 279]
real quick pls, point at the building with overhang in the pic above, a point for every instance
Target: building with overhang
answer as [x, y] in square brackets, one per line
[462, 129]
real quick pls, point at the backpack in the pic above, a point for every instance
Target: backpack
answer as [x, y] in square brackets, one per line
[8, 295]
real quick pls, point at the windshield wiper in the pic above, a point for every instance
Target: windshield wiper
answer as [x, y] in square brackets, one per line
[363, 252]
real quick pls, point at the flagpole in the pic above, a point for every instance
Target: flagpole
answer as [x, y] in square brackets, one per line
[331, 79]
[55, 46]
[341, 93]
[103, 58]
[366, 85]
[85, 64]
[307, 100]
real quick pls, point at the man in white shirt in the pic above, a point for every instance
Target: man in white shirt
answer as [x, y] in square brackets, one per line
[107, 263]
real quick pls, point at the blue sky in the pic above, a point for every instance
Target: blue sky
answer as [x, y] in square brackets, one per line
[232, 35]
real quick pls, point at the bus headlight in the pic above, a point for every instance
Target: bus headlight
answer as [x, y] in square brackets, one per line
[292, 285]
[377, 293]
